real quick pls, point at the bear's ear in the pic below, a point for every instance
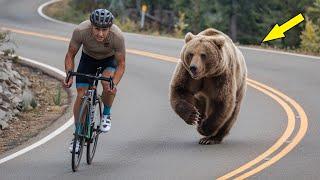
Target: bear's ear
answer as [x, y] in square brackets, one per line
[210, 32]
[188, 37]
[218, 40]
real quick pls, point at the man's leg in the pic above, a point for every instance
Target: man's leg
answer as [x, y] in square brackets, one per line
[86, 66]
[107, 98]
[81, 89]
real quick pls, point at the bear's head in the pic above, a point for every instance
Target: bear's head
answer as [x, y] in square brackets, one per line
[202, 55]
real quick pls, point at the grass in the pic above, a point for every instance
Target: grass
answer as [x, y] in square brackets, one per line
[64, 12]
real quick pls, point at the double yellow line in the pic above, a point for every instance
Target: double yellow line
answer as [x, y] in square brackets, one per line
[282, 146]
[258, 164]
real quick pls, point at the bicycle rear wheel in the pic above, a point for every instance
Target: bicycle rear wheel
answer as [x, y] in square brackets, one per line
[79, 135]
[95, 131]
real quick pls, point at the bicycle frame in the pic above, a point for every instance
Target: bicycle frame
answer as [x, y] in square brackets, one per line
[91, 95]
[91, 112]
[89, 103]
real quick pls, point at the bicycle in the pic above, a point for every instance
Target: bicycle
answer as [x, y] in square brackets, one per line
[88, 125]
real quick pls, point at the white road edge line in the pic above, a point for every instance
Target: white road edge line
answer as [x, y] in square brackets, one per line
[40, 12]
[51, 135]
[280, 52]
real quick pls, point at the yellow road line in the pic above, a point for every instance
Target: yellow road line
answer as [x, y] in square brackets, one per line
[279, 142]
[301, 133]
[152, 55]
[37, 34]
[259, 86]
[132, 51]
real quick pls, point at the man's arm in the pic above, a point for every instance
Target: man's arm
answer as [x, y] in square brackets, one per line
[120, 57]
[74, 46]
[69, 63]
[69, 59]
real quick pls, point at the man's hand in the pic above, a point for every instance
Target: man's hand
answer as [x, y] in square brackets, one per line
[69, 83]
[114, 90]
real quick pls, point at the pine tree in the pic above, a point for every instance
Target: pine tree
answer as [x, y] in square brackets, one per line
[310, 39]
[313, 12]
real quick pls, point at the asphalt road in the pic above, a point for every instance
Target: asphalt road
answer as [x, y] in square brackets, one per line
[147, 139]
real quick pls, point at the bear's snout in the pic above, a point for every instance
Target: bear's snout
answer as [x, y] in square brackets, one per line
[193, 70]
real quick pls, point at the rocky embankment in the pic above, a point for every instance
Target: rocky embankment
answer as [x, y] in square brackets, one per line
[30, 101]
[14, 92]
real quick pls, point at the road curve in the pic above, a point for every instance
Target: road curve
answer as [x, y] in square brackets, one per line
[148, 141]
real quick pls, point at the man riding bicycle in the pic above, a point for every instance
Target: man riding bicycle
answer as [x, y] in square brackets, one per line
[103, 46]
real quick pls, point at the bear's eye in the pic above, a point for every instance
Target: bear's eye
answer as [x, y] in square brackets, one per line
[189, 56]
[203, 56]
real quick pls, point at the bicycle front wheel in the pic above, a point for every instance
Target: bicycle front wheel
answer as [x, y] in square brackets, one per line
[79, 135]
[95, 131]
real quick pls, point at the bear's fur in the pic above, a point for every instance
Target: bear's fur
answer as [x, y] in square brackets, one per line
[209, 83]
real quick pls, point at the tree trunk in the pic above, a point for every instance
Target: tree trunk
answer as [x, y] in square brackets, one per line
[158, 14]
[138, 5]
[233, 21]
[196, 21]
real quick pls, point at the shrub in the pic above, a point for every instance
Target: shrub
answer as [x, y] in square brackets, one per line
[33, 103]
[57, 97]
[310, 38]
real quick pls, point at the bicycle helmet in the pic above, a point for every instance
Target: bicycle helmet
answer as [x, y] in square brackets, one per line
[101, 18]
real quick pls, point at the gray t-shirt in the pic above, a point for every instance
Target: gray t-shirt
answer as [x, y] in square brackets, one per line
[114, 42]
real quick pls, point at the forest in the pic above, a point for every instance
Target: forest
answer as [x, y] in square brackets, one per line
[246, 22]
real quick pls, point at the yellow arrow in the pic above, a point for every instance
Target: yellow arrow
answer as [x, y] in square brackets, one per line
[278, 31]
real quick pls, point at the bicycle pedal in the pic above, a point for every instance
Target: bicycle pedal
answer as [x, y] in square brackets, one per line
[77, 152]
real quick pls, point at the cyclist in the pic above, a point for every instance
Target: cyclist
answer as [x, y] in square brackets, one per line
[103, 46]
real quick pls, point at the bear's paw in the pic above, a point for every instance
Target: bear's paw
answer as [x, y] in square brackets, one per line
[188, 112]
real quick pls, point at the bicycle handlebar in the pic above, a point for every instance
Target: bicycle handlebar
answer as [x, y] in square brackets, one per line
[71, 73]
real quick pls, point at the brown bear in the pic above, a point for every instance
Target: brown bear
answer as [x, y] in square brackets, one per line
[209, 84]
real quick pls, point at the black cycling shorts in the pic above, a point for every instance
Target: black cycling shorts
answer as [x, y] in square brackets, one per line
[89, 65]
